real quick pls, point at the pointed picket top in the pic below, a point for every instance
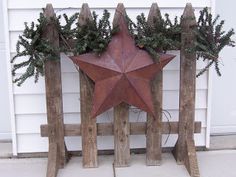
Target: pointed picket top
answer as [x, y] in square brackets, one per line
[153, 13]
[188, 11]
[120, 13]
[85, 14]
[188, 18]
[49, 11]
[122, 38]
[120, 20]
[50, 31]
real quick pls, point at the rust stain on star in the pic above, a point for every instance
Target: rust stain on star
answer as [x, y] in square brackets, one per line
[123, 73]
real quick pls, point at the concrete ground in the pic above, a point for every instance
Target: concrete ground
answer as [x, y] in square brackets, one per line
[211, 163]
[5, 149]
[219, 142]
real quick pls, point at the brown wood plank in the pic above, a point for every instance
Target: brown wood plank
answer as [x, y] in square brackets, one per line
[187, 89]
[121, 116]
[107, 129]
[154, 125]
[104, 129]
[52, 167]
[88, 124]
[191, 158]
[121, 135]
[54, 91]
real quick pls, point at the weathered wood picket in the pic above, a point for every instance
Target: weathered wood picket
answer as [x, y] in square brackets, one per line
[56, 130]
[88, 124]
[57, 149]
[154, 128]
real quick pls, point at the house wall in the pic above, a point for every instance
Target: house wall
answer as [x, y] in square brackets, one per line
[223, 88]
[29, 99]
[5, 128]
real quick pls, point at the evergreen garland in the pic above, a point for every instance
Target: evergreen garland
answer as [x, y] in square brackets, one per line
[67, 33]
[211, 39]
[32, 45]
[161, 36]
[95, 35]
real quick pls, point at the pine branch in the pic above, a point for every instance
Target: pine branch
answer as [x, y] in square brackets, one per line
[95, 35]
[211, 39]
[163, 35]
[32, 45]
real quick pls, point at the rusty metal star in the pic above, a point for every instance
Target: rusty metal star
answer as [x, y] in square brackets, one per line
[122, 73]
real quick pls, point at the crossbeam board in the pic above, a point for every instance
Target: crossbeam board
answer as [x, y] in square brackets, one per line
[107, 129]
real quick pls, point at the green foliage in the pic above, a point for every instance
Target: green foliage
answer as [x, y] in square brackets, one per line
[67, 32]
[94, 35]
[211, 39]
[37, 49]
[32, 46]
[160, 36]
[154, 36]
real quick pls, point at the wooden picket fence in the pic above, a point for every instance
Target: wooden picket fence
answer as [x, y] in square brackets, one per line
[121, 128]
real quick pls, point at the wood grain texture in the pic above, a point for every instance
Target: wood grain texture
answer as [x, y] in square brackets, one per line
[52, 167]
[88, 124]
[121, 135]
[121, 116]
[107, 129]
[185, 149]
[190, 160]
[154, 128]
[187, 72]
[54, 92]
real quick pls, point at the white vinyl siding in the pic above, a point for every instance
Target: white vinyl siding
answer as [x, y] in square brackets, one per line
[29, 99]
[5, 126]
[223, 95]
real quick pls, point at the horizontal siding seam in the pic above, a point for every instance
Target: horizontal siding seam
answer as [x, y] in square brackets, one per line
[70, 93]
[99, 8]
